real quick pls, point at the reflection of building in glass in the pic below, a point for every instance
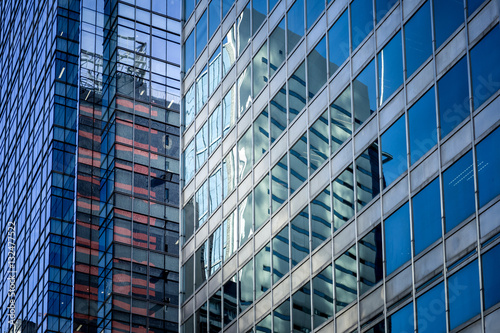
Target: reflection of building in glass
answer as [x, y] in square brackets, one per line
[339, 172]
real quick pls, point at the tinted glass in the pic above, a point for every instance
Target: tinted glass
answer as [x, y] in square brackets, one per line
[320, 218]
[278, 114]
[259, 12]
[314, 8]
[213, 16]
[281, 317]
[263, 271]
[458, 187]
[190, 111]
[371, 268]
[484, 64]
[341, 118]
[188, 8]
[300, 236]
[301, 309]
[245, 286]
[491, 272]
[422, 126]
[488, 167]
[295, 24]
[280, 254]
[189, 165]
[427, 216]
[202, 204]
[215, 129]
[215, 312]
[201, 146]
[202, 270]
[279, 183]
[418, 39]
[472, 5]
[338, 41]
[364, 94]
[361, 20]
[244, 90]
[343, 198]
[188, 218]
[382, 8]
[264, 325]
[367, 176]
[243, 29]
[226, 5]
[215, 250]
[401, 321]
[201, 318]
[228, 111]
[316, 68]
[397, 239]
[245, 154]
[277, 46]
[229, 173]
[229, 236]
[259, 64]
[297, 91]
[448, 15]
[394, 151]
[228, 51]
[323, 296]
[230, 312]
[201, 89]
[261, 135]
[262, 206]
[298, 163]
[201, 34]
[453, 92]
[431, 311]
[215, 189]
[318, 142]
[245, 219]
[390, 68]
[188, 270]
[214, 71]
[345, 279]
[463, 295]
[189, 52]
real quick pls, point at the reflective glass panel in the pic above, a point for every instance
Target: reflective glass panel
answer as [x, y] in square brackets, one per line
[397, 239]
[189, 165]
[323, 296]
[244, 90]
[345, 279]
[259, 12]
[361, 20]
[281, 317]
[453, 93]
[298, 163]
[472, 5]
[229, 173]
[448, 15]
[364, 94]
[201, 204]
[279, 183]
[491, 272]
[382, 7]
[201, 146]
[226, 5]
[263, 271]
[278, 114]
[422, 126]
[215, 312]
[259, 64]
[215, 189]
[262, 206]
[371, 268]
[338, 41]
[188, 8]
[401, 321]
[488, 166]
[300, 236]
[201, 34]
[427, 216]
[188, 270]
[277, 48]
[313, 9]
[214, 71]
[340, 114]
[261, 135]
[245, 286]
[243, 28]
[367, 176]
[390, 68]
[228, 111]
[202, 269]
[189, 106]
[245, 219]
[201, 89]
[320, 218]
[295, 24]
[418, 39]
[264, 325]
[229, 236]
[463, 295]
[316, 68]
[245, 154]
[230, 311]
[458, 188]
[431, 311]
[343, 197]
[213, 16]
[215, 250]
[201, 318]
[301, 309]
[297, 91]
[189, 52]
[215, 129]
[280, 254]
[394, 151]
[318, 142]
[228, 51]
[189, 218]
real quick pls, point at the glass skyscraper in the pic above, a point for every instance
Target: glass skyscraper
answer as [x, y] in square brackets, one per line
[89, 164]
[340, 167]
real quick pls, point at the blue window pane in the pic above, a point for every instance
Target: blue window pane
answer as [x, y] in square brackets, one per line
[453, 92]
[426, 216]
[201, 146]
[338, 41]
[431, 311]
[364, 94]
[472, 5]
[314, 8]
[488, 167]
[316, 67]
[394, 151]
[277, 47]
[296, 91]
[243, 28]
[300, 236]
[367, 176]
[448, 15]
[189, 52]
[201, 34]
[295, 24]
[361, 20]
[189, 106]
[280, 254]
[458, 188]
[345, 279]
[188, 8]
[278, 114]
[484, 65]
[390, 68]
[259, 70]
[213, 16]
[272, 3]
[189, 157]
[228, 51]
[340, 119]
[226, 4]
[418, 39]
[491, 272]
[259, 12]
[383, 7]
[397, 239]
[371, 269]
[463, 295]
[298, 164]
[422, 126]
[401, 321]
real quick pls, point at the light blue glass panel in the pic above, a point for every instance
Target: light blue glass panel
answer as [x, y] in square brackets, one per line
[245, 161]
[213, 16]
[215, 189]
[277, 47]
[279, 183]
[201, 204]
[188, 8]
[463, 295]
[295, 24]
[262, 203]
[263, 271]
[189, 162]
[229, 235]
[281, 317]
[318, 142]
[245, 286]
[300, 236]
[346, 289]
[261, 135]
[216, 250]
[316, 68]
[418, 39]
[201, 89]
[448, 15]
[229, 173]
[201, 146]
[383, 7]
[297, 91]
[323, 296]
[298, 163]
[228, 51]
[214, 71]
[215, 129]
[259, 70]
[427, 216]
[243, 28]
[226, 5]
[390, 68]
[397, 239]
[281, 254]
[313, 10]
[394, 152]
[259, 12]
[422, 126]
[244, 90]
[364, 94]
[201, 34]
[245, 219]
[228, 111]
[278, 114]
[361, 21]
[301, 309]
[321, 227]
[488, 167]
[338, 42]
[431, 311]
[189, 104]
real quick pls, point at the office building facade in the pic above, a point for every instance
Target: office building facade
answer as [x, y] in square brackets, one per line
[339, 168]
[89, 164]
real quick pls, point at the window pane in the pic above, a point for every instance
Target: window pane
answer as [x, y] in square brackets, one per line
[214, 69]
[229, 173]
[301, 309]
[418, 39]
[262, 207]
[278, 114]
[488, 167]
[453, 92]
[345, 279]
[214, 16]
[189, 52]
[215, 312]
[188, 8]
[340, 114]
[259, 12]
[297, 91]
[279, 183]
[188, 270]
[215, 250]
[364, 94]
[458, 187]
[244, 90]
[261, 135]
[431, 311]
[338, 41]
[228, 111]
[463, 295]
[277, 47]
[215, 185]
[226, 5]
[229, 236]
[448, 15]
[394, 151]
[401, 321]
[397, 239]
[367, 176]
[201, 89]
[259, 64]
[201, 204]
[390, 68]
[245, 154]
[281, 317]
[189, 218]
[230, 300]
[485, 70]
[318, 142]
[320, 218]
[263, 271]
[201, 146]
[422, 126]
[228, 51]
[323, 296]
[427, 216]
[472, 5]
[189, 165]
[280, 254]
[189, 106]
[298, 164]
[370, 260]
[243, 29]
[245, 286]
[300, 236]
[491, 271]
[215, 129]
[245, 219]
[201, 318]
[314, 8]
[316, 68]
[264, 325]
[383, 7]
[201, 34]
[295, 24]
[361, 20]
[343, 198]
